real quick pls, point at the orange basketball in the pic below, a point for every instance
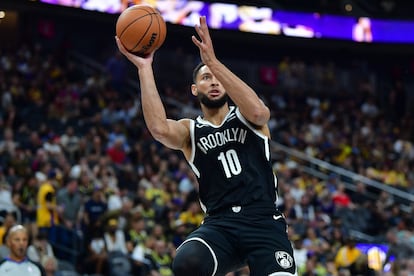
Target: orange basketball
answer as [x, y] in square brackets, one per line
[141, 29]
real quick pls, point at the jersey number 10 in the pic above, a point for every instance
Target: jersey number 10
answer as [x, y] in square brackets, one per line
[230, 162]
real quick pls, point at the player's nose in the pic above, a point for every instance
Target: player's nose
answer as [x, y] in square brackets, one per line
[215, 82]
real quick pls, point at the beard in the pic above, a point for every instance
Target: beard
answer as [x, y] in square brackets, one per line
[216, 103]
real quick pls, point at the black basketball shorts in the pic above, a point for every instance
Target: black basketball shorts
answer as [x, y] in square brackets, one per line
[236, 237]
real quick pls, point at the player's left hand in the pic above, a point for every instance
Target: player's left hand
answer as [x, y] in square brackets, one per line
[205, 43]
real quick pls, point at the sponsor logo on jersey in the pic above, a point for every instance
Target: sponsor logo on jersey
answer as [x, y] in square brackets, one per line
[284, 259]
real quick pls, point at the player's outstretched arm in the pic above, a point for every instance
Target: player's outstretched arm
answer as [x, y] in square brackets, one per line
[171, 133]
[250, 105]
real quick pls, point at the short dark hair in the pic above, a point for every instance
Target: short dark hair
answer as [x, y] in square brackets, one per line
[195, 71]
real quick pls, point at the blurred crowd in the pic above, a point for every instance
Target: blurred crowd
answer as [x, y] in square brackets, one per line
[79, 169]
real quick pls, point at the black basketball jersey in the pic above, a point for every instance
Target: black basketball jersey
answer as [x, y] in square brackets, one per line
[232, 163]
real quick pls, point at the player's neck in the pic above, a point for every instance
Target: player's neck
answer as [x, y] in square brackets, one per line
[215, 115]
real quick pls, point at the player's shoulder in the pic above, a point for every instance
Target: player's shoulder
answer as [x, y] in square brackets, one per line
[186, 121]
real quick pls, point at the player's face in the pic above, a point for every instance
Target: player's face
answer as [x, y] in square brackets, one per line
[17, 242]
[209, 90]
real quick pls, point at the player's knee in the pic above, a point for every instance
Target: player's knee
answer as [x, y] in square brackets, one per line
[193, 258]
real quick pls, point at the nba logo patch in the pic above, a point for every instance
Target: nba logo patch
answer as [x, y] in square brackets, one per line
[284, 259]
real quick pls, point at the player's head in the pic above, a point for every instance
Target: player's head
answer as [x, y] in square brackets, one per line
[209, 91]
[17, 241]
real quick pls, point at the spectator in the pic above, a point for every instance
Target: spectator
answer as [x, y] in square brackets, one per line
[50, 265]
[137, 236]
[17, 241]
[115, 239]
[141, 265]
[304, 210]
[6, 200]
[158, 233]
[369, 107]
[33, 143]
[48, 212]
[4, 249]
[161, 257]
[117, 135]
[114, 199]
[8, 145]
[180, 232]
[69, 202]
[96, 259]
[312, 267]
[300, 253]
[24, 197]
[39, 248]
[347, 255]
[399, 248]
[117, 153]
[94, 209]
[70, 142]
[105, 173]
[360, 196]
[315, 244]
[137, 233]
[97, 149]
[9, 220]
[340, 198]
[109, 114]
[52, 145]
[193, 216]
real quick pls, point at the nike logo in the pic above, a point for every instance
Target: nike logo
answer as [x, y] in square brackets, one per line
[200, 126]
[276, 217]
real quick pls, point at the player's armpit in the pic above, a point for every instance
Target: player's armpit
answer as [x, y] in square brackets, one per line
[177, 135]
[265, 130]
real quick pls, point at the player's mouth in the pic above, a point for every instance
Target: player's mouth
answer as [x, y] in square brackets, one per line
[214, 93]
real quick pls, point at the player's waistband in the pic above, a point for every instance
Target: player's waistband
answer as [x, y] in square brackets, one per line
[250, 209]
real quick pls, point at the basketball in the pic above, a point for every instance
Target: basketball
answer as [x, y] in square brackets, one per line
[141, 29]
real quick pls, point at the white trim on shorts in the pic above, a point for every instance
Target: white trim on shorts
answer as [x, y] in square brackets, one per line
[209, 248]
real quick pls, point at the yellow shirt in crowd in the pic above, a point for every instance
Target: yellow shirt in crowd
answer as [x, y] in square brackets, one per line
[46, 217]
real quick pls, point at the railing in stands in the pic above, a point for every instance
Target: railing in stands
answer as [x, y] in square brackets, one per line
[68, 245]
[349, 177]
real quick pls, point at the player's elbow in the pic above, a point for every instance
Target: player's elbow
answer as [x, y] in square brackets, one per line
[260, 116]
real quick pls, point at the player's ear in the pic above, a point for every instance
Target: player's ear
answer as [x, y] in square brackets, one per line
[194, 90]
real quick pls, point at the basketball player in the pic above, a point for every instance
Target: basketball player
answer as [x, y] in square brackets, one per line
[228, 150]
[17, 264]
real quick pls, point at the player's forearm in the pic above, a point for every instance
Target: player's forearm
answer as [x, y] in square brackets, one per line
[152, 106]
[250, 105]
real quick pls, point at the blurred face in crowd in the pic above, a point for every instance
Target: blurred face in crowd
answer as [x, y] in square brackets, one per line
[72, 186]
[17, 241]
[112, 226]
